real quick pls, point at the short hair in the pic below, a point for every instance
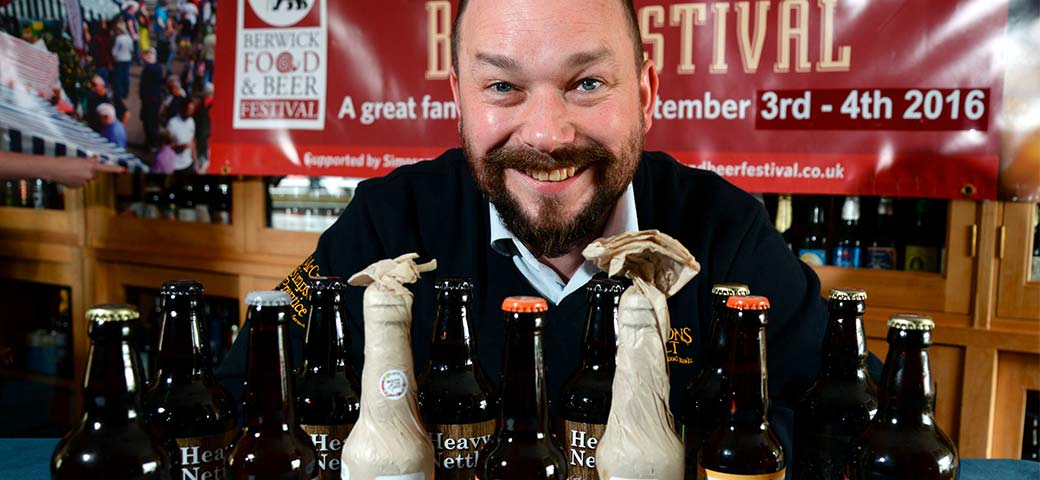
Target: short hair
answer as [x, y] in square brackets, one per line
[626, 5]
[106, 110]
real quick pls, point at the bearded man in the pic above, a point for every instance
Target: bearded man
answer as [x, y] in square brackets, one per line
[555, 101]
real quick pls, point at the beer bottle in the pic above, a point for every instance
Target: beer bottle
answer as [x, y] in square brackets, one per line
[903, 442]
[881, 253]
[585, 398]
[783, 219]
[455, 398]
[702, 402]
[271, 445]
[848, 248]
[327, 389]
[922, 252]
[840, 404]
[523, 447]
[744, 445]
[813, 250]
[185, 404]
[111, 440]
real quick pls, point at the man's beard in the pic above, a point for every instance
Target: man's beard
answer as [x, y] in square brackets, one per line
[549, 234]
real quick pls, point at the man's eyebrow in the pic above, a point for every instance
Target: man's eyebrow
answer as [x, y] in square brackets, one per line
[498, 61]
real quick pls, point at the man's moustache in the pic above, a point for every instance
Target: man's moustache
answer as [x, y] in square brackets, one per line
[525, 159]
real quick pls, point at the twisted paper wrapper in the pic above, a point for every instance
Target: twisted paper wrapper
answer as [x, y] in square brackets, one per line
[639, 441]
[389, 438]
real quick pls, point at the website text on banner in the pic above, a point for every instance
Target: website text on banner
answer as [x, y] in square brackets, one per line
[794, 96]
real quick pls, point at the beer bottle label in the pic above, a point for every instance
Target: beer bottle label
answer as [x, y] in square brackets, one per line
[883, 258]
[203, 457]
[813, 257]
[579, 446]
[457, 448]
[921, 259]
[328, 441]
[847, 257]
[707, 474]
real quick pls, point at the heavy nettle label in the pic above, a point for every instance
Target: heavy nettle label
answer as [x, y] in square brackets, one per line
[202, 458]
[457, 448]
[328, 441]
[707, 474]
[579, 445]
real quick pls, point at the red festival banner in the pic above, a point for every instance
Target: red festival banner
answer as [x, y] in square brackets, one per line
[794, 96]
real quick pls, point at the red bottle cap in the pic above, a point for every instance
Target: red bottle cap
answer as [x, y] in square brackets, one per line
[524, 305]
[749, 302]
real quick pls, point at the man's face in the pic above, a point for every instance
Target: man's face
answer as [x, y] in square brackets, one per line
[97, 85]
[553, 113]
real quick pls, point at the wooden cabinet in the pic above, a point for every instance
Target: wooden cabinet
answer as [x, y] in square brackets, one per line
[987, 342]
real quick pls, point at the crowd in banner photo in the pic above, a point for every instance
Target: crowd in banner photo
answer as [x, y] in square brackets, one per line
[143, 79]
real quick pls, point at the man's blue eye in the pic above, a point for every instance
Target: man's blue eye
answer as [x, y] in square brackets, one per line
[589, 84]
[502, 87]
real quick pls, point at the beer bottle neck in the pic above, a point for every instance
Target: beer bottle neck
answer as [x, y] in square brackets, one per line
[906, 391]
[715, 351]
[268, 404]
[111, 391]
[326, 343]
[599, 348]
[745, 372]
[452, 345]
[183, 351]
[844, 347]
[525, 395]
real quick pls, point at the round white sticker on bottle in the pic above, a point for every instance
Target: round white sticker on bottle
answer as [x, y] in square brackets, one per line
[393, 384]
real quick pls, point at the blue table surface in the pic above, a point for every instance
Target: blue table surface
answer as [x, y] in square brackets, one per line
[30, 458]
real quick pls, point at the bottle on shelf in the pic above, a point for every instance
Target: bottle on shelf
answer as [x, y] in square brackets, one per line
[921, 253]
[111, 440]
[186, 207]
[203, 199]
[152, 202]
[327, 388]
[584, 405]
[784, 216]
[842, 401]
[702, 401]
[185, 404]
[222, 205]
[271, 443]
[744, 444]
[848, 247]
[1034, 271]
[814, 246]
[523, 447]
[903, 440]
[456, 400]
[881, 253]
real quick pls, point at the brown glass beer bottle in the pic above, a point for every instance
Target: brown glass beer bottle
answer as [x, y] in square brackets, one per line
[111, 440]
[744, 445]
[271, 445]
[903, 442]
[455, 399]
[585, 398]
[523, 447]
[840, 404]
[327, 388]
[184, 404]
[702, 402]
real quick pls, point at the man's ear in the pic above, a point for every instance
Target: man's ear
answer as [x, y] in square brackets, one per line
[648, 84]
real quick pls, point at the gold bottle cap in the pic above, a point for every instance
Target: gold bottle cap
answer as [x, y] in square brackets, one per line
[852, 294]
[730, 289]
[911, 321]
[99, 314]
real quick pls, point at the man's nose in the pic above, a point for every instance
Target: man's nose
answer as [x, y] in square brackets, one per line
[546, 123]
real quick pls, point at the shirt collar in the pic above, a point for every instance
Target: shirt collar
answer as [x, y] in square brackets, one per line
[622, 220]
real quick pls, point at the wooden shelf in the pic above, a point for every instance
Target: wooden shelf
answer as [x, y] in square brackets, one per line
[52, 380]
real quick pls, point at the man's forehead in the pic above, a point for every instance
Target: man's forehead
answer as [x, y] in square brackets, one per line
[488, 22]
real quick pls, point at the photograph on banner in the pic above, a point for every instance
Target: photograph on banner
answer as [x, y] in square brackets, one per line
[1020, 117]
[125, 83]
[827, 97]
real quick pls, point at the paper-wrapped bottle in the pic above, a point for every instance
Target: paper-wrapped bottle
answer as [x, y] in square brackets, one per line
[640, 441]
[389, 440]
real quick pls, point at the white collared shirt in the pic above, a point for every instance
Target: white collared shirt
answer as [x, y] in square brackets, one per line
[543, 278]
